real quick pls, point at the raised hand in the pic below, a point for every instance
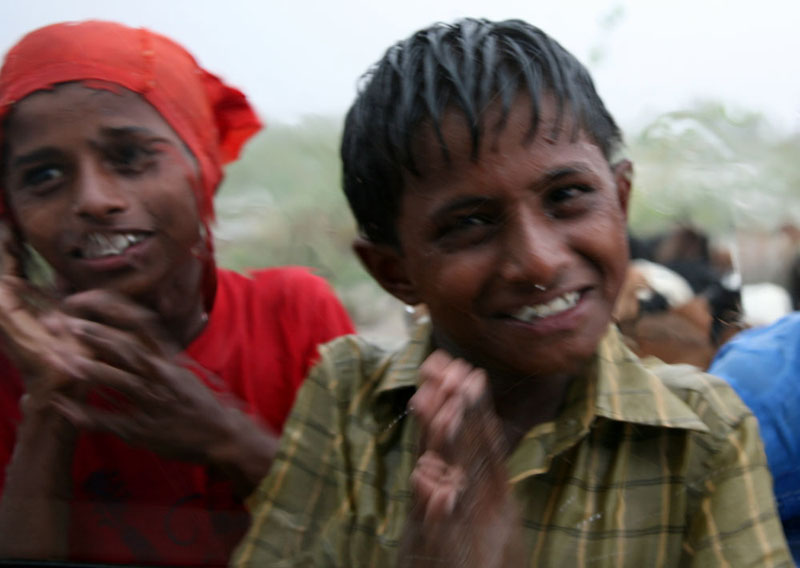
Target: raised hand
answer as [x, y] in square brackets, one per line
[33, 330]
[463, 513]
[151, 396]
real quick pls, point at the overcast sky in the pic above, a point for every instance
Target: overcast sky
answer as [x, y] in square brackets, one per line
[305, 56]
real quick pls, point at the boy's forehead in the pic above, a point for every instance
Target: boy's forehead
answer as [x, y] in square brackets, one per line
[454, 145]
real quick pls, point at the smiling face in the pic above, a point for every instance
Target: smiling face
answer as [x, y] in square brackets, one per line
[101, 187]
[518, 255]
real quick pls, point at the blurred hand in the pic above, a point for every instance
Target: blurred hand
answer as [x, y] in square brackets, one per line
[151, 399]
[33, 330]
[463, 513]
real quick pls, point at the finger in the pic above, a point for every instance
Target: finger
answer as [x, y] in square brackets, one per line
[422, 402]
[467, 399]
[10, 251]
[86, 417]
[440, 381]
[142, 391]
[444, 425]
[110, 345]
[437, 486]
[27, 295]
[475, 387]
[117, 311]
[428, 469]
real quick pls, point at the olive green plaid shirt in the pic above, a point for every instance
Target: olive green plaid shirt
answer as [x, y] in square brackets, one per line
[646, 465]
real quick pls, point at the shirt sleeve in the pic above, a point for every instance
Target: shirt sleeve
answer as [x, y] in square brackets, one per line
[301, 494]
[736, 523]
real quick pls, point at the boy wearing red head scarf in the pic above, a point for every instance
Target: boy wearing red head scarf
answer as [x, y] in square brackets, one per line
[138, 402]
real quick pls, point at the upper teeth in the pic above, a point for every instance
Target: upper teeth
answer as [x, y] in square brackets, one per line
[555, 306]
[100, 244]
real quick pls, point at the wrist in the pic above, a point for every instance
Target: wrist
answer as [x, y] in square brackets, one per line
[244, 453]
[41, 463]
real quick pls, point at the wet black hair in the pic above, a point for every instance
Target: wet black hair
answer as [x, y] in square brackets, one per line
[464, 65]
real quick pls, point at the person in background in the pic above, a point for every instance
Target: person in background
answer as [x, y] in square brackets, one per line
[514, 428]
[142, 387]
[762, 364]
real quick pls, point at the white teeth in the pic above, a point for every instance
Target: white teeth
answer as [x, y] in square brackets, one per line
[99, 245]
[554, 306]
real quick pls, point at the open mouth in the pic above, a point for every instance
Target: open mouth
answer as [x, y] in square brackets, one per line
[555, 306]
[101, 245]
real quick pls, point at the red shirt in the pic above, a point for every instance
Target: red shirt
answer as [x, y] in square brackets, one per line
[132, 506]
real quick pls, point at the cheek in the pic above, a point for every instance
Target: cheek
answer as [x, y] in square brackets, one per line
[39, 226]
[453, 284]
[611, 249]
[172, 202]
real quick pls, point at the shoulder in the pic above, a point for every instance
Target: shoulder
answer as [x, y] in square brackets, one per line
[763, 364]
[285, 279]
[293, 290]
[777, 339]
[710, 398]
[677, 397]
[352, 365]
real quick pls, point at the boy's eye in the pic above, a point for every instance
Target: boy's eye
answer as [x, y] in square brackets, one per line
[467, 230]
[474, 220]
[568, 200]
[42, 175]
[566, 193]
[131, 158]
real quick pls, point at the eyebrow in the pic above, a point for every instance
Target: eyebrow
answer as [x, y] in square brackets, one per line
[562, 172]
[119, 131]
[133, 132]
[551, 176]
[50, 152]
[467, 202]
[38, 155]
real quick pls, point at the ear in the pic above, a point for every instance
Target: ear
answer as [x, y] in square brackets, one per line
[387, 266]
[623, 178]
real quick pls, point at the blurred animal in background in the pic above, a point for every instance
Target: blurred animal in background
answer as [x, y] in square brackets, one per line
[679, 302]
[684, 298]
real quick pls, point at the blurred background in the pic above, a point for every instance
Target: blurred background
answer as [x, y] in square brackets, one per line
[706, 91]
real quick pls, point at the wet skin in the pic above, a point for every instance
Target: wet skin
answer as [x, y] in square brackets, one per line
[83, 162]
[478, 236]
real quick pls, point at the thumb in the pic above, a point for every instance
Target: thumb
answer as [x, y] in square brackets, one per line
[10, 251]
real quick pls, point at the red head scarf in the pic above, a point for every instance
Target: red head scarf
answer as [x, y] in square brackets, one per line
[213, 119]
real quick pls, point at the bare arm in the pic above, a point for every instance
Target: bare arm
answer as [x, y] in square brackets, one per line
[34, 509]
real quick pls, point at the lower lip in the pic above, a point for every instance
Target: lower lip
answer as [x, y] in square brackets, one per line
[126, 259]
[567, 320]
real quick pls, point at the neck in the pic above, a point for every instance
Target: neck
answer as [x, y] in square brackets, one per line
[180, 304]
[524, 402]
[520, 401]
[185, 327]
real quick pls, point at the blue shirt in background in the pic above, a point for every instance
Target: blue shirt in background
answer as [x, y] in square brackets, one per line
[763, 366]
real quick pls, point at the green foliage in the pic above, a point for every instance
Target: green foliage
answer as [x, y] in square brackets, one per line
[719, 169]
[281, 204]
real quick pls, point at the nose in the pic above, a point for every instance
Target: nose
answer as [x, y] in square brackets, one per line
[535, 250]
[98, 193]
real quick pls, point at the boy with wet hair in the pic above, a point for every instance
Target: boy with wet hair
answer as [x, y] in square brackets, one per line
[514, 428]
